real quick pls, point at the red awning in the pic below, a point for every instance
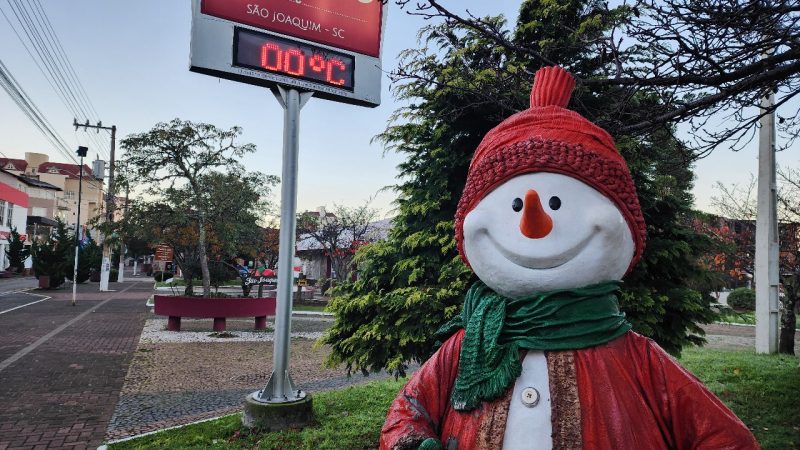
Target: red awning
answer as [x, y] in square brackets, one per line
[13, 195]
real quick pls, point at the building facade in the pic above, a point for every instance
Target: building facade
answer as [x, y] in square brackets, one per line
[13, 213]
[56, 195]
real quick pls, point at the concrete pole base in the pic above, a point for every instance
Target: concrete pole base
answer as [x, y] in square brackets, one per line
[277, 416]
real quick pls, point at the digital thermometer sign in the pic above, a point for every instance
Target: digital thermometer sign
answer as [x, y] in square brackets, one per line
[329, 47]
[292, 58]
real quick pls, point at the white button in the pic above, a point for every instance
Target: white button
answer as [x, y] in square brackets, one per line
[530, 397]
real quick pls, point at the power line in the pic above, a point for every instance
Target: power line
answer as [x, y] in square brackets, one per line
[27, 49]
[61, 57]
[30, 109]
[82, 90]
[53, 61]
[20, 97]
[65, 64]
[35, 39]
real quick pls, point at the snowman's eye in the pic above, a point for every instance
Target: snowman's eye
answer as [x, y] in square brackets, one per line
[516, 205]
[555, 203]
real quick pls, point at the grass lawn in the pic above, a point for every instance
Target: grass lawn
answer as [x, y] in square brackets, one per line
[746, 318]
[763, 390]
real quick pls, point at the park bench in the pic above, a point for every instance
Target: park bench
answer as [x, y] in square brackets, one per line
[175, 307]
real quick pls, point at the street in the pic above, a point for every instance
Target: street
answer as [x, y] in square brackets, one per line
[62, 367]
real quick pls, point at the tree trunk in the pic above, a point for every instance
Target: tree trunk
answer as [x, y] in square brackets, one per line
[201, 251]
[336, 266]
[788, 324]
[189, 290]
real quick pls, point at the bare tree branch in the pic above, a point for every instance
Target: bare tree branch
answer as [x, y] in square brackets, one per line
[702, 58]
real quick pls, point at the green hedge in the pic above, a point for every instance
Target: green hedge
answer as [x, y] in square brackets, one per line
[162, 276]
[742, 298]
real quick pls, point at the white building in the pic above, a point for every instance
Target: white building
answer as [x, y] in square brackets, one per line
[13, 213]
[315, 262]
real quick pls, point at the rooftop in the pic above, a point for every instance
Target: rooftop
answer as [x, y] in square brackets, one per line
[37, 183]
[69, 170]
[13, 164]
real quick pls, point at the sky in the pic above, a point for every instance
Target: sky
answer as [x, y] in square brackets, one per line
[132, 58]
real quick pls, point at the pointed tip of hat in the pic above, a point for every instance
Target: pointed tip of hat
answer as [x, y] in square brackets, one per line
[552, 86]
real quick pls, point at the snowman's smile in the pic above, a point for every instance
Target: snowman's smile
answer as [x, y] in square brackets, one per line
[540, 261]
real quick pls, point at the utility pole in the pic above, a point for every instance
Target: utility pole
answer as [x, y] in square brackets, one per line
[105, 267]
[767, 247]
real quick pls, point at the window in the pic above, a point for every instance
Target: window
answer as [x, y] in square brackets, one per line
[33, 170]
[69, 195]
[53, 169]
[2, 210]
[10, 215]
[10, 166]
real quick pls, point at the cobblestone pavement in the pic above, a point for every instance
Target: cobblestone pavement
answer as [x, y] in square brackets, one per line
[199, 330]
[62, 367]
[172, 382]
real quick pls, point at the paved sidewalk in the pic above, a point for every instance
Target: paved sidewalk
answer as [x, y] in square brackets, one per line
[177, 378]
[62, 367]
[735, 337]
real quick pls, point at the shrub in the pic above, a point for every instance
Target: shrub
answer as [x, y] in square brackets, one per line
[51, 256]
[90, 258]
[742, 298]
[221, 274]
[113, 276]
[162, 276]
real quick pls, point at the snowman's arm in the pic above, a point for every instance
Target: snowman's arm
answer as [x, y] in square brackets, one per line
[418, 410]
[696, 417]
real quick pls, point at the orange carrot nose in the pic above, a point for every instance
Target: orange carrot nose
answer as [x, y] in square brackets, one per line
[535, 223]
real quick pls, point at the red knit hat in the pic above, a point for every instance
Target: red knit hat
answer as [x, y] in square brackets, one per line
[547, 137]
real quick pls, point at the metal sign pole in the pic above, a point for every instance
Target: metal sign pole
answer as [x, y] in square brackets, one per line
[280, 389]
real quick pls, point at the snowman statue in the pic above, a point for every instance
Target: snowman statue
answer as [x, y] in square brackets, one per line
[540, 356]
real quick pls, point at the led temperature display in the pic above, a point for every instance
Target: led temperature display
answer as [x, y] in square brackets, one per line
[294, 59]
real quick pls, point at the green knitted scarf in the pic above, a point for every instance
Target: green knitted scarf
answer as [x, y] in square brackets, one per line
[498, 327]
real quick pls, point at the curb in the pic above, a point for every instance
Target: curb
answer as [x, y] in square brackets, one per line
[130, 438]
[312, 313]
[732, 324]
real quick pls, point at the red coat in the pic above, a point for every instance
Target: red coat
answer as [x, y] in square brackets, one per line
[625, 394]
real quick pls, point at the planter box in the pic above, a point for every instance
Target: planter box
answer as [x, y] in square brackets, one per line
[213, 308]
[44, 281]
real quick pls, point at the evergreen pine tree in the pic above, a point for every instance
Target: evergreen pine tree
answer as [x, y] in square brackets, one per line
[16, 253]
[412, 282]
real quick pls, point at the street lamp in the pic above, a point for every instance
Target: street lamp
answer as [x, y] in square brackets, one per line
[82, 153]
